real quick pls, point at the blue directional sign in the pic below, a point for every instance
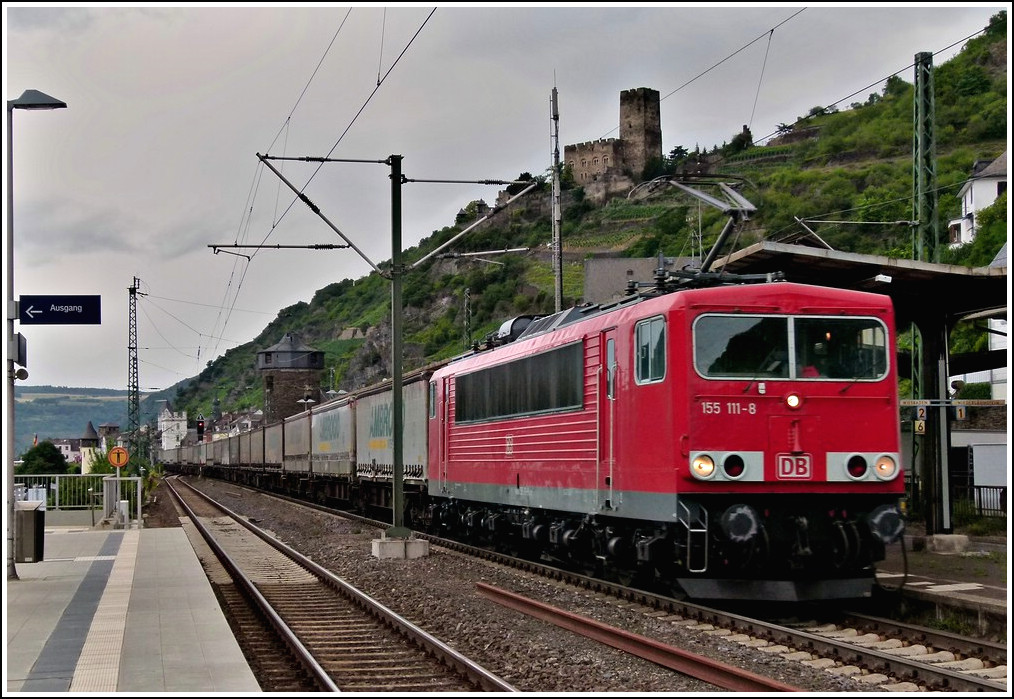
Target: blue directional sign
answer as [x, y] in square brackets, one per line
[60, 310]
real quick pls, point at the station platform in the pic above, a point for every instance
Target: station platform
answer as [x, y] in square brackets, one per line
[128, 610]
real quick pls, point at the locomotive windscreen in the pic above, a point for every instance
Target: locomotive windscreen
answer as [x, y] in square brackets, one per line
[803, 347]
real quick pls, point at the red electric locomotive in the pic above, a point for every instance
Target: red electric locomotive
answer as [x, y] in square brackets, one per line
[736, 442]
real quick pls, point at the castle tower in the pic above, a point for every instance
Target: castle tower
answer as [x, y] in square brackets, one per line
[640, 128]
[290, 370]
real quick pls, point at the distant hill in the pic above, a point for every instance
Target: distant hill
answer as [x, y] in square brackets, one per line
[61, 412]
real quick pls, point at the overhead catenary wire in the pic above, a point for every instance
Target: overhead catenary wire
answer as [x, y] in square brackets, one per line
[278, 217]
[760, 80]
[731, 55]
[874, 84]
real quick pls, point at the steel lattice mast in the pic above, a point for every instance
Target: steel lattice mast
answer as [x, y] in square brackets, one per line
[929, 349]
[133, 389]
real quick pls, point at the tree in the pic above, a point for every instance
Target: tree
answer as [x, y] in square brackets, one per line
[740, 142]
[43, 458]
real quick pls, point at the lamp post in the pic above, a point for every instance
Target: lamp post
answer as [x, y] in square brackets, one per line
[30, 99]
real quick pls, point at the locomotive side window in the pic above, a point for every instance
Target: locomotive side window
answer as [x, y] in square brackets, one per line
[548, 382]
[742, 346]
[649, 343]
[433, 399]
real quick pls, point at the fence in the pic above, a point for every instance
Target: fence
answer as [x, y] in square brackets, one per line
[979, 501]
[77, 492]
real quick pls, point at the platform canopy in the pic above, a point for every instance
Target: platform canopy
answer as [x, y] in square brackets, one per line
[916, 288]
[919, 290]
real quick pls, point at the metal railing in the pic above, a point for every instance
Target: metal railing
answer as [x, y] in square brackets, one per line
[979, 500]
[90, 491]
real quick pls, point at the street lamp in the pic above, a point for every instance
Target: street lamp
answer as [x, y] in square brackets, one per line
[30, 99]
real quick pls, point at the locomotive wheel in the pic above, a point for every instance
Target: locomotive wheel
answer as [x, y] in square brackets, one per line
[845, 545]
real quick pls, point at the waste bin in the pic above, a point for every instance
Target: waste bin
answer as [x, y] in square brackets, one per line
[30, 530]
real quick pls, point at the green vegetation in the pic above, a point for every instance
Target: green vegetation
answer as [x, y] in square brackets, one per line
[43, 458]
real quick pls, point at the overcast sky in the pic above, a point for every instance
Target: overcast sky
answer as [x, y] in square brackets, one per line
[168, 105]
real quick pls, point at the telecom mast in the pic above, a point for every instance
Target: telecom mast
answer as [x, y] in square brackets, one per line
[557, 215]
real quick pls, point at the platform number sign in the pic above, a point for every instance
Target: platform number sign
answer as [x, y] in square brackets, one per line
[919, 424]
[118, 457]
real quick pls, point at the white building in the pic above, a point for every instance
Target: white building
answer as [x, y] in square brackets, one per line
[171, 426]
[988, 181]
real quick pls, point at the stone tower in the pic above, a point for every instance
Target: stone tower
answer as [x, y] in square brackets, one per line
[640, 128]
[611, 167]
[291, 371]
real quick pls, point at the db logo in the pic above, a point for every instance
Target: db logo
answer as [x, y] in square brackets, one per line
[793, 466]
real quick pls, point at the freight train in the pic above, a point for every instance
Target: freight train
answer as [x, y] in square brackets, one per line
[728, 441]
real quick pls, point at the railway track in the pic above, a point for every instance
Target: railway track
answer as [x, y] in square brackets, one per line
[880, 653]
[335, 637]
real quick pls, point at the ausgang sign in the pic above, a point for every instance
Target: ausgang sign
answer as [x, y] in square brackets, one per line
[60, 310]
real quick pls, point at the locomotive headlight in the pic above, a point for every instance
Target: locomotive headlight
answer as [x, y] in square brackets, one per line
[885, 467]
[793, 400]
[703, 466]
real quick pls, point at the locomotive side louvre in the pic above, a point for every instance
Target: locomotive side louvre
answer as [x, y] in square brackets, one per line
[610, 452]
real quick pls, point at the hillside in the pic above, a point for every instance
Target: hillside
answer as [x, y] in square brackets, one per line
[844, 162]
[849, 162]
[59, 412]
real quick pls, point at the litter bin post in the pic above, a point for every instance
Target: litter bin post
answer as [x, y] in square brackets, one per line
[30, 540]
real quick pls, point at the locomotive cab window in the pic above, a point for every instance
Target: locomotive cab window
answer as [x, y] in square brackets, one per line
[649, 343]
[750, 347]
[790, 347]
[840, 348]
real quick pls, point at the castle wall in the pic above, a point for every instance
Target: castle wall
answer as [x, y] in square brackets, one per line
[588, 161]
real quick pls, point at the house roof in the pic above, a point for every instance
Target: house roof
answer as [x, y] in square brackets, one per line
[289, 343]
[1001, 257]
[997, 168]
